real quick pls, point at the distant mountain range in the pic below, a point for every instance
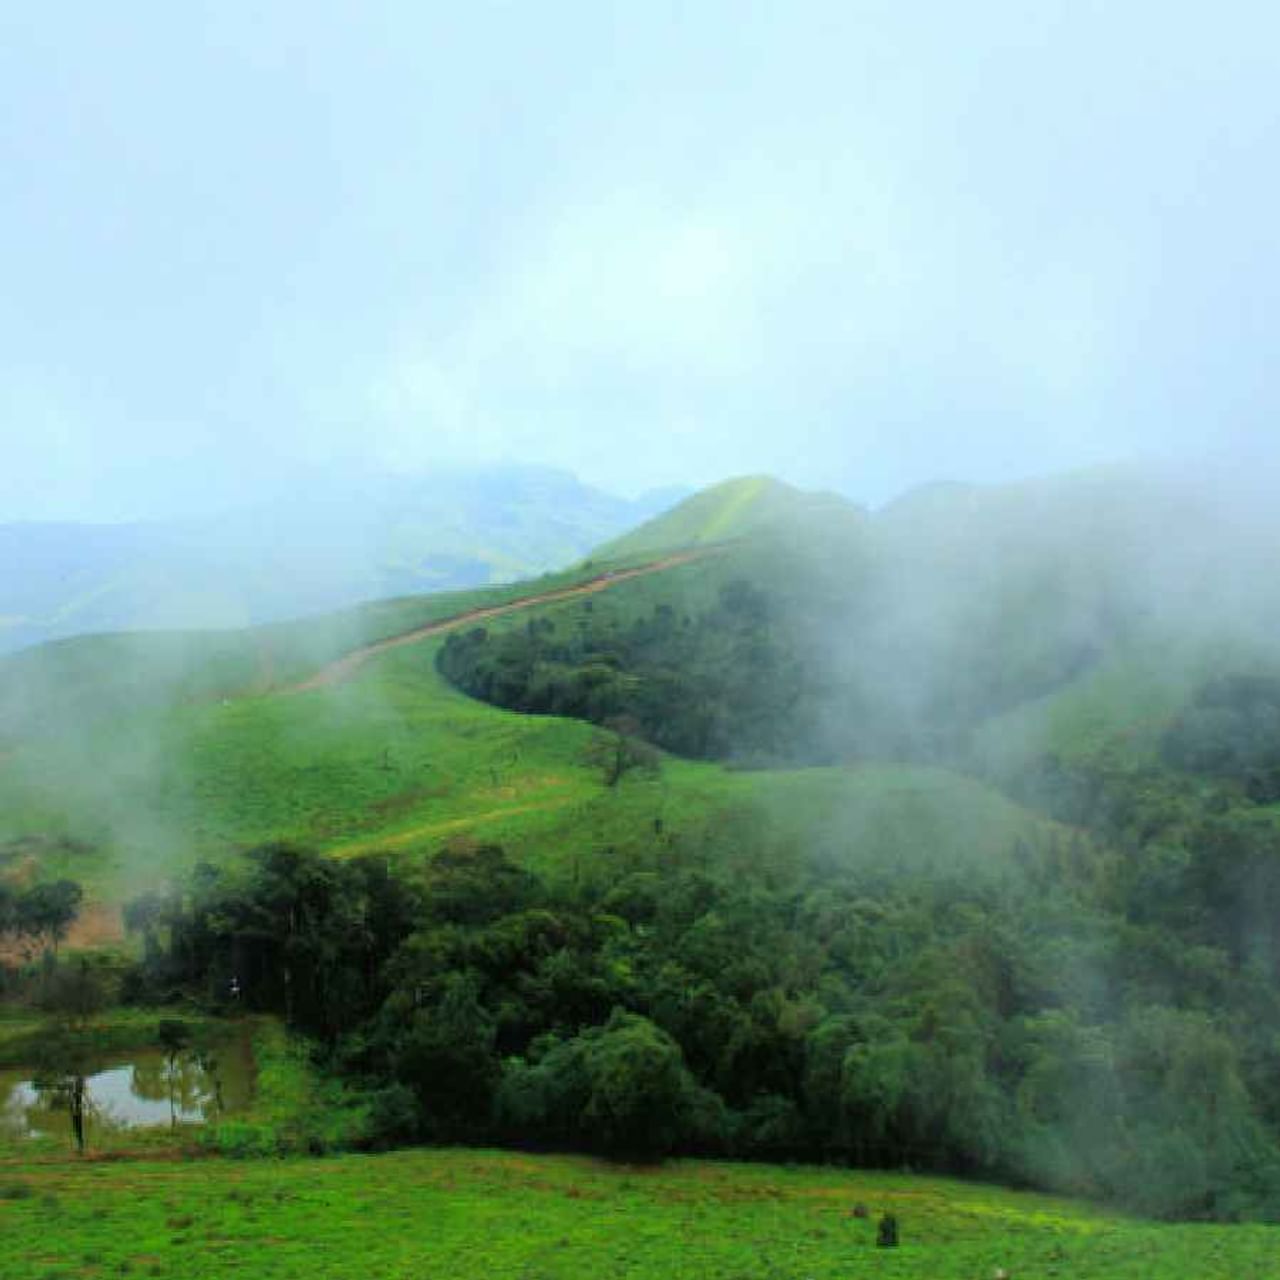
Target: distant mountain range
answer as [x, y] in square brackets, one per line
[355, 540]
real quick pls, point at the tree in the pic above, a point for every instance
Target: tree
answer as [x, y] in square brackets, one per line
[616, 749]
[174, 1036]
[145, 914]
[446, 1058]
[621, 1088]
[63, 1061]
[8, 910]
[46, 911]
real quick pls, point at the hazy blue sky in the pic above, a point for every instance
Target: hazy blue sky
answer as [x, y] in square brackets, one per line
[860, 245]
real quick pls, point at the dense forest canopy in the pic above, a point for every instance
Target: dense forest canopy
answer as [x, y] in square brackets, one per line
[1059, 1022]
[1089, 1022]
[782, 664]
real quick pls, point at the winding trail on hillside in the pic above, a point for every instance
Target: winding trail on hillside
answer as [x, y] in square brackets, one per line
[346, 666]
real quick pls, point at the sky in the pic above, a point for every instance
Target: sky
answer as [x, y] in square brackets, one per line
[248, 247]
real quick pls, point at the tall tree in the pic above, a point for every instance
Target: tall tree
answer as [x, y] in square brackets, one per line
[72, 996]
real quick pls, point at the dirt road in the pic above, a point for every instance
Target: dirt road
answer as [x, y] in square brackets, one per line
[350, 663]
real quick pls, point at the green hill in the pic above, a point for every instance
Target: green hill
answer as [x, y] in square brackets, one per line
[394, 758]
[750, 505]
[946, 836]
[959, 629]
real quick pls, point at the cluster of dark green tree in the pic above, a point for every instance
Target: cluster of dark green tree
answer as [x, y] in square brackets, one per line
[792, 665]
[1034, 1024]
[1194, 826]
[726, 681]
[1231, 731]
[288, 931]
[39, 916]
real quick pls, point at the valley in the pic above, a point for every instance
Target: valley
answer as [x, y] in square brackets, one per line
[768, 831]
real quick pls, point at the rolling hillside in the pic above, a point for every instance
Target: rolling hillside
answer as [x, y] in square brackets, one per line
[395, 759]
[157, 749]
[952, 848]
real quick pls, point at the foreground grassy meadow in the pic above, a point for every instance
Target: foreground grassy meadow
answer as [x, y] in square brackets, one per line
[149, 1202]
[468, 1214]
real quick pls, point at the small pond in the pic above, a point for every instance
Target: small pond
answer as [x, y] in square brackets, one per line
[137, 1088]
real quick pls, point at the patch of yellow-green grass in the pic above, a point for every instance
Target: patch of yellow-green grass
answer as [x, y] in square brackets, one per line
[742, 508]
[721, 512]
[735, 502]
[724, 511]
[482, 1214]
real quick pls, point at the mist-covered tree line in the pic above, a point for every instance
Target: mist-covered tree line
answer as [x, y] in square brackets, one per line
[1038, 1026]
[720, 682]
[1192, 823]
[1231, 732]
[786, 667]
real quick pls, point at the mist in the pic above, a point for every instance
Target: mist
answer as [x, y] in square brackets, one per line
[785, 499]
[860, 246]
[340, 540]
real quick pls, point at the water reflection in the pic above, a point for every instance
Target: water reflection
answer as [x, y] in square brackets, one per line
[137, 1089]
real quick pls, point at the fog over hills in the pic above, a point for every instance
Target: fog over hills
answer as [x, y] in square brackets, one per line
[946, 833]
[322, 546]
[899, 632]
[627, 581]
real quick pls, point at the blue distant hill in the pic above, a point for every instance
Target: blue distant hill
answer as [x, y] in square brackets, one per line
[314, 549]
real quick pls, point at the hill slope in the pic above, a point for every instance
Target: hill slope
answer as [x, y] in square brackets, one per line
[734, 509]
[958, 629]
[392, 757]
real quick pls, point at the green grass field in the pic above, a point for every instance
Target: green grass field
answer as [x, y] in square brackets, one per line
[397, 760]
[480, 1214]
[151, 1202]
